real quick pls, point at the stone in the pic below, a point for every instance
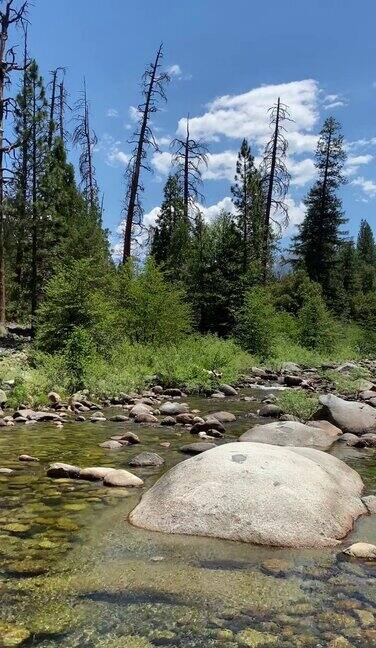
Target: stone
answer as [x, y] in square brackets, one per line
[327, 426]
[157, 389]
[12, 635]
[217, 394]
[228, 390]
[3, 397]
[172, 409]
[292, 381]
[290, 433]
[140, 409]
[97, 418]
[16, 528]
[131, 438]
[222, 417]
[197, 448]
[173, 392]
[212, 424]
[168, 420]
[271, 410]
[54, 397]
[121, 478]
[367, 395]
[111, 444]
[185, 418]
[370, 503]
[146, 459]
[258, 372]
[145, 418]
[6, 471]
[367, 440]
[350, 416]
[80, 419]
[361, 550]
[95, 473]
[276, 566]
[254, 638]
[257, 493]
[119, 418]
[347, 438]
[290, 367]
[27, 458]
[63, 470]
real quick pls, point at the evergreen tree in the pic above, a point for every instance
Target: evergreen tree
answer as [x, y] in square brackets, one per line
[317, 243]
[171, 235]
[248, 199]
[366, 251]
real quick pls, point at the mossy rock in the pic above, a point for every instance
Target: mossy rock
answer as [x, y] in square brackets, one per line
[254, 638]
[27, 568]
[66, 524]
[132, 641]
[12, 635]
[17, 528]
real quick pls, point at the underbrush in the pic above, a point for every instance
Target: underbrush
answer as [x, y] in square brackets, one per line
[299, 403]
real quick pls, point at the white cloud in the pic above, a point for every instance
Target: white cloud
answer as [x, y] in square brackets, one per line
[302, 171]
[353, 163]
[334, 101]
[211, 212]
[361, 143]
[296, 215]
[163, 141]
[174, 70]
[134, 113]
[246, 115]
[368, 186]
[112, 112]
[161, 161]
[221, 166]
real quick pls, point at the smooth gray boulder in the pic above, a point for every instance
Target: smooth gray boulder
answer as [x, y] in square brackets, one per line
[121, 478]
[172, 409]
[257, 493]
[228, 390]
[140, 409]
[361, 550]
[291, 433]
[145, 459]
[197, 448]
[350, 416]
[95, 473]
[59, 470]
[370, 502]
[222, 417]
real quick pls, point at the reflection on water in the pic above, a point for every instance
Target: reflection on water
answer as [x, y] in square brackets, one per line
[73, 572]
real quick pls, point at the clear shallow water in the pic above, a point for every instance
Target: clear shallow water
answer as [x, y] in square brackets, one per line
[73, 572]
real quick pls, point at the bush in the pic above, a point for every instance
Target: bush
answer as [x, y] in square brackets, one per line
[255, 328]
[299, 403]
[366, 315]
[78, 354]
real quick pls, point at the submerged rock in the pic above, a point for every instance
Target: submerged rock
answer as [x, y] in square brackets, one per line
[370, 502]
[350, 416]
[6, 471]
[222, 417]
[12, 635]
[111, 444]
[197, 448]
[255, 639]
[145, 417]
[258, 493]
[146, 459]
[27, 458]
[291, 433]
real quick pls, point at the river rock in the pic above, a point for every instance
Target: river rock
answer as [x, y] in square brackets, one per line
[54, 397]
[173, 391]
[327, 426]
[12, 635]
[3, 423]
[146, 459]
[257, 493]
[370, 502]
[271, 410]
[6, 471]
[361, 550]
[348, 439]
[367, 395]
[197, 448]
[290, 367]
[111, 444]
[350, 416]
[292, 380]
[3, 397]
[59, 470]
[172, 409]
[168, 420]
[95, 473]
[291, 433]
[27, 458]
[121, 478]
[130, 437]
[222, 417]
[119, 418]
[212, 424]
[185, 418]
[228, 390]
[140, 408]
[97, 418]
[367, 440]
[146, 417]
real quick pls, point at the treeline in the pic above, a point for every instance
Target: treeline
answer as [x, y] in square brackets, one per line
[227, 277]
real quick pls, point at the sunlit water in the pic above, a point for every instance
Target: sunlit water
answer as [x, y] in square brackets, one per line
[73, 572]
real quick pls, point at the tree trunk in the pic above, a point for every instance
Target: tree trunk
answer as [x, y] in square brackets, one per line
[269, 199]
[51, 125]
[61, 107]
[34, 263]
[186, 175]
[24, 153]
[137, 165]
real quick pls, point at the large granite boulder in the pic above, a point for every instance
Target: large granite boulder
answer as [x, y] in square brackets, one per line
[291, 433]
[257, 493]
[350, 416]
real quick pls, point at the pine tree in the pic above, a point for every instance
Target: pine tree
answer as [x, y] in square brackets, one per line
[366, 252]
[171, 235]
[317, 243]
[248, 199]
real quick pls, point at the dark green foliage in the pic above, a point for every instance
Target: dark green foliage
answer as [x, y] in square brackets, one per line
[366, 315]
[255, 323]
[78, 352]
[316, 327]
[366, 250]
[316, 246]
[171, 241]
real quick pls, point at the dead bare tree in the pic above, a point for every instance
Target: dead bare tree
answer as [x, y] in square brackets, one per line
[153, 82]
[190, 157]
[275, 178]
[86, 139]
[53, 102]
[9, 15]
[63, 105]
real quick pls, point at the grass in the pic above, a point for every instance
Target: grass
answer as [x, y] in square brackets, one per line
[349, 383]
[299, 403]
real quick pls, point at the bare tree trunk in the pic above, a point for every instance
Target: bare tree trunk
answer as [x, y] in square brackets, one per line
[61, 110]
[90, 188]
[51, 125]
[186, 174]
[137, 165]
[20, 239]
[265, 252]
[34, 263]
[245, 224]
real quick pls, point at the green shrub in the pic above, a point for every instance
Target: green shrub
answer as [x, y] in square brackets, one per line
[255, 323]
[78, 355]
[366, 315]
[299, 402]
[316, 326]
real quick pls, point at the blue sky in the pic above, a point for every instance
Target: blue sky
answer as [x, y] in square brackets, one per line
[229, 62]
